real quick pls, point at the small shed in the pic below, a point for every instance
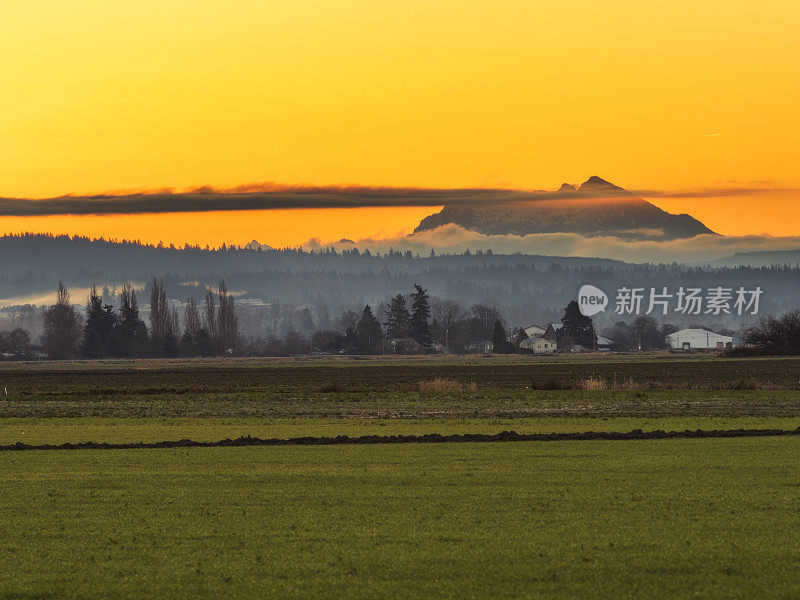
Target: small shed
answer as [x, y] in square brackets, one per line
[603, 343]
[481, 347]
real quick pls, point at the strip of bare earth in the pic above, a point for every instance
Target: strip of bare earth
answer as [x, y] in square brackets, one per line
[431, 438]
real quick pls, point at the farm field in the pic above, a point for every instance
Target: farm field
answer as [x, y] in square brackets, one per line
[656, 519]
[463, 404]
[657, 385]
[711, 518]
[362, 374]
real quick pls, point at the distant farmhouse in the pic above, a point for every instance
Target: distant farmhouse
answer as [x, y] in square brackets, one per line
[533, 331]
[551, 332]
[556, 342]
[538, 345]
[541, 340]
[698, 339]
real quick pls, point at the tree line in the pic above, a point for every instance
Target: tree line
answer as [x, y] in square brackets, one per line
[528, 287]
[107, 332]
[410, 324]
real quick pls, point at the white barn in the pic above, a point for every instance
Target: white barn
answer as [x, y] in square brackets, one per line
[698, 339]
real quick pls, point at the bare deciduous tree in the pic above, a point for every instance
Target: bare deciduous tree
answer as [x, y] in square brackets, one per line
[191, 319]
[486, 315]
[776, 335]
[448, 315]
[227, 323]
[210, 314]
[159, 313]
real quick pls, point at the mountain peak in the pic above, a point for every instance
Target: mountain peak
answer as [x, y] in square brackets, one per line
[256, 245]
[595, 181]
[598, 185]
[620, 214]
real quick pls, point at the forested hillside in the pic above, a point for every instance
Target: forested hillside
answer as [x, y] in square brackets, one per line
[527, 287]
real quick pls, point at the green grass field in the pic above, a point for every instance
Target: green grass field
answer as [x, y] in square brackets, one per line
[705, 518]
[654, 519]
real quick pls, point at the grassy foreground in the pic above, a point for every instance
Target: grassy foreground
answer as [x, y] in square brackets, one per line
[655, 519]
[713, 518]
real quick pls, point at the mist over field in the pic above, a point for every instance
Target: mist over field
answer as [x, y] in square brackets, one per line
[527, 288]
[700, 249]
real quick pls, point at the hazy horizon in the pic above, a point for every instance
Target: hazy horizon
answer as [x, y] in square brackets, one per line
[265, 213]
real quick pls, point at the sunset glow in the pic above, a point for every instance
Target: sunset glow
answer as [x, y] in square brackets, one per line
[276, 228]
[399, 298]
[104, 96]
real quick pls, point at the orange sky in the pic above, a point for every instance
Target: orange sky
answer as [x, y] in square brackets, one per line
[778, 215]
[677, 95]
[276, 228]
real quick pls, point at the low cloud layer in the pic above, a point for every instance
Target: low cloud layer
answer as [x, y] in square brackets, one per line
[269, 196]
[208, 199]
[454, 239]
[717, 192]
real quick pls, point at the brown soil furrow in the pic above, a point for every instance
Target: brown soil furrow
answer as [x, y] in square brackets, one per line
[431, 438]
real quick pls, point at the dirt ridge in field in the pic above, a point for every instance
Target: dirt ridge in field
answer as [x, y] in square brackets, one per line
[430, 438]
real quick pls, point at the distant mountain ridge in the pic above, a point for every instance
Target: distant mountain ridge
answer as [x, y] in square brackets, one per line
[595, 208]
[758, 258]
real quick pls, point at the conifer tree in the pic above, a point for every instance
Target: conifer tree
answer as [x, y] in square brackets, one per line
[130, 332]
[578, 326]
[98, 333]
[398, 319]
[499, 338]
[420, 315]
[369, 334]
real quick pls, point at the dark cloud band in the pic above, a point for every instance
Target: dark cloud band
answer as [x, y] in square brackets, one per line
[206, 201]
[270, 197]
